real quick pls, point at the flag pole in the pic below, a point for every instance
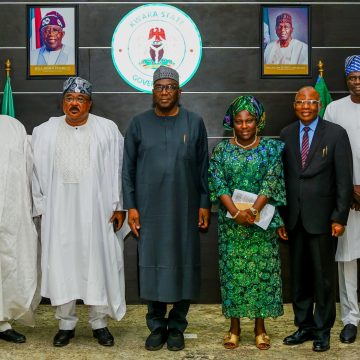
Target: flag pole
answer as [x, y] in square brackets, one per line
[321, 68]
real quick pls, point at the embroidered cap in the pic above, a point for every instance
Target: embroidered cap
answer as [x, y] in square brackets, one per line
[52, 18]
[77, 85]
[284, 17]
[352, 63]
[164, 72]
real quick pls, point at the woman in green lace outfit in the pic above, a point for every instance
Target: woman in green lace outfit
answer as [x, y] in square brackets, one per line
[249, 262]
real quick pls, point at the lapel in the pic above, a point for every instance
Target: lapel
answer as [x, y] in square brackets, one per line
[319, 131]
[295, 144]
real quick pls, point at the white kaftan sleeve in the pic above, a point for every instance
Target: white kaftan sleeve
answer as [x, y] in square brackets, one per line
[37, 195]
[120, 148]
[29, 159]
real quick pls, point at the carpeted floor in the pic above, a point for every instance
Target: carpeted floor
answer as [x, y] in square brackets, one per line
[204, 339]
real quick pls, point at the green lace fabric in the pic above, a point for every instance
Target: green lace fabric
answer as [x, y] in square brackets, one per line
[249, 262]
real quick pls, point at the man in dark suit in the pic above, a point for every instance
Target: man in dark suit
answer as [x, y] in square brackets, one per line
[318, 178]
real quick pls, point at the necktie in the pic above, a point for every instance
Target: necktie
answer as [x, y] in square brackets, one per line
[305, 146]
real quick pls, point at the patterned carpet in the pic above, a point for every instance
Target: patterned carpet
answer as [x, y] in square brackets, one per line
[204, 339]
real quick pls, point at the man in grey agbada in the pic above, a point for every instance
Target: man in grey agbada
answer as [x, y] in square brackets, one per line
[166, 193]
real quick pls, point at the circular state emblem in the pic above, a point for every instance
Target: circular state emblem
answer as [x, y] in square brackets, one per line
[152, 35]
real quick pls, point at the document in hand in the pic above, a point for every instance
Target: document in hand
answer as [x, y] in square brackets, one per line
[244, 200]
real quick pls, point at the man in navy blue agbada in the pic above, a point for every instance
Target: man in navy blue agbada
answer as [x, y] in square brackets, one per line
[166, 193]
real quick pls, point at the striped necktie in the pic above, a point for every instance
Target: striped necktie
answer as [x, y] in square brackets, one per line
[305, 146]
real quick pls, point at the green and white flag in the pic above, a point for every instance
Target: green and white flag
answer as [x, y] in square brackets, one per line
[8, 101]
[325, 96]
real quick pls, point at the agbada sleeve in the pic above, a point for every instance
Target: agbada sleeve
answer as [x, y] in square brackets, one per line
[131, 144]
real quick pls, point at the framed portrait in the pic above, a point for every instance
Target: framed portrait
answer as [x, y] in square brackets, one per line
[285, 41]
[52, 36]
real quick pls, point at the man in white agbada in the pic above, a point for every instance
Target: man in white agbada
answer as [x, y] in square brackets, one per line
[285, 50]
[346, 112]
[18, 238]
[77, 191]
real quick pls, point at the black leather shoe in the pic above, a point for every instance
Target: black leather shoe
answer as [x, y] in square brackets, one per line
[299, 337]
[348, 334]
[175, 340]
[104, 336]
[62, 338]
[12, 336]
[156, 339]
[322, 343]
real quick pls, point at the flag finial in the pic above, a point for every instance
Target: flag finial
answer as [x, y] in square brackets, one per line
[7, 67]
[7, 101]
[321, 68]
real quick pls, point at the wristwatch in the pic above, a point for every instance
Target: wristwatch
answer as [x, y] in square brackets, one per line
[254, 211]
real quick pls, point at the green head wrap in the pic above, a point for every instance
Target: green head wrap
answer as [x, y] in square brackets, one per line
[249, 103]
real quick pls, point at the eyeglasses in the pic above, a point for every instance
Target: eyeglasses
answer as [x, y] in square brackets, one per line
[306, 102]
[48, 30]
[168, 88]
[80, 99]
[353, 78]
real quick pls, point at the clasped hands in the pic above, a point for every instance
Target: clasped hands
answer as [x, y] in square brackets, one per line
[245, 217]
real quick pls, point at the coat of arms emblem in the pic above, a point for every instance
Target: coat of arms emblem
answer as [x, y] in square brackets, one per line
[153, 35]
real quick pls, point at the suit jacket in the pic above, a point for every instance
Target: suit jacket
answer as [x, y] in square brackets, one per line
[321, 192]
